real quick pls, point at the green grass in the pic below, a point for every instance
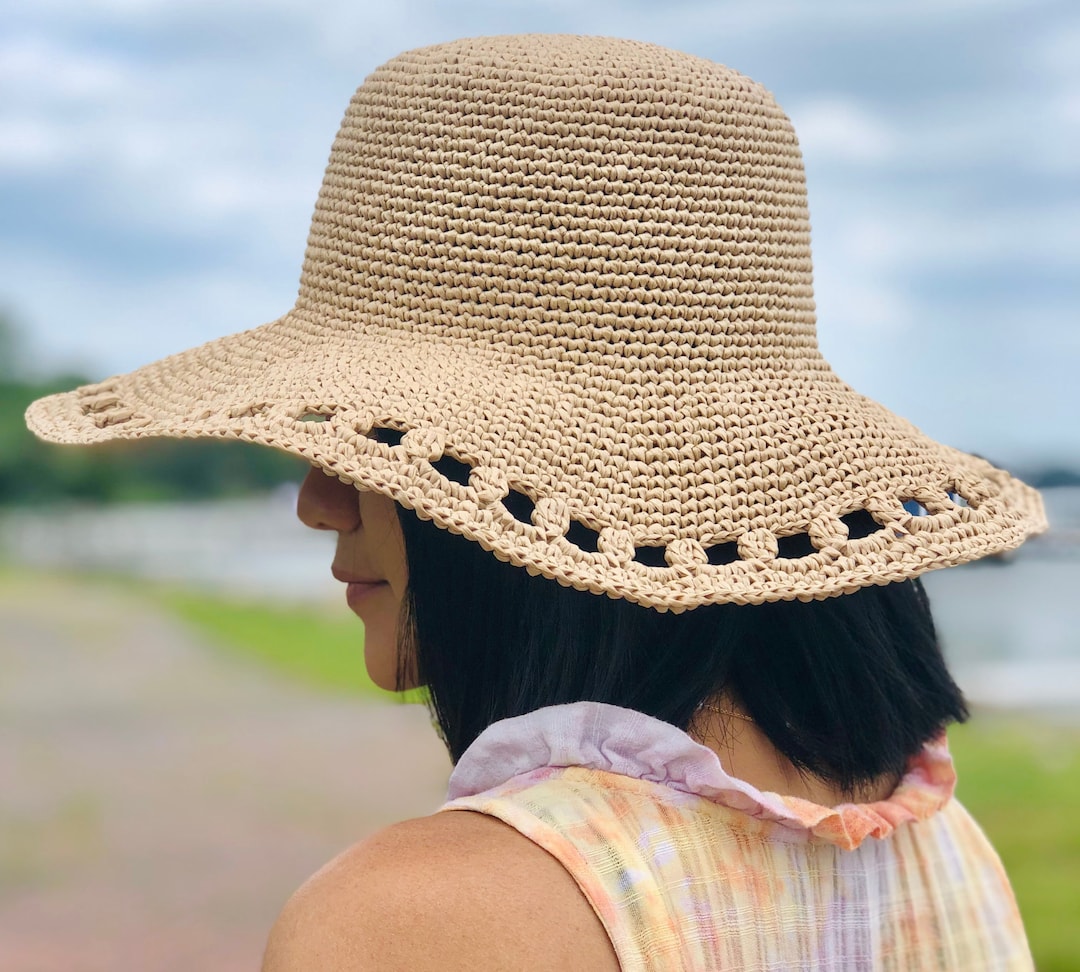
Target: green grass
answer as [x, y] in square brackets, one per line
[311, 645]
[1021, 780]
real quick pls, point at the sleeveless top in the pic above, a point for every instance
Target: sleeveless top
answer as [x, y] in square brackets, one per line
[689, 868]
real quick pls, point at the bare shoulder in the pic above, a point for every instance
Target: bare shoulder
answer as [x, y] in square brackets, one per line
[456, 890]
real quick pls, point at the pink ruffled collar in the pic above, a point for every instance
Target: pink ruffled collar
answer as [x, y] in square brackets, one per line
[597, 736]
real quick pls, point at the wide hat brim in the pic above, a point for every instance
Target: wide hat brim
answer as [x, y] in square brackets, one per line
[557, 298]
[582, 462]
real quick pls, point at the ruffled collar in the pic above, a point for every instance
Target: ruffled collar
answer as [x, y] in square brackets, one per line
[597, 736]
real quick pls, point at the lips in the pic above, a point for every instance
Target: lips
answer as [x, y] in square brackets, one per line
[356, 595]
[347, 577]
[357, 587]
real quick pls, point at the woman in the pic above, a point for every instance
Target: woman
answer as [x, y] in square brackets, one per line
[557, 299]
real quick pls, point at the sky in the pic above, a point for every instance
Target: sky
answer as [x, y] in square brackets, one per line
[159, 161]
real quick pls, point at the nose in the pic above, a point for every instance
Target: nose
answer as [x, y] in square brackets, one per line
[326, 503]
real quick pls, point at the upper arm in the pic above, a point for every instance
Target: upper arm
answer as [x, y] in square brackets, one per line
[452, 891]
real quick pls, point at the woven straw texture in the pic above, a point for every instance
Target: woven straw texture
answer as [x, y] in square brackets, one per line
[557, 297]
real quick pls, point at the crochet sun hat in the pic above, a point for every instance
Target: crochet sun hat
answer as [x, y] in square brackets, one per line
[557, 298]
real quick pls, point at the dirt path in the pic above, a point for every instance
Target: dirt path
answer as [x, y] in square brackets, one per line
[158, 801]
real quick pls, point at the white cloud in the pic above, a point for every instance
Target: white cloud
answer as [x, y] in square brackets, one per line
[1057, 50]
[1068, 107]
[44, 70]
[28, 144]
[150, 146]
[860, 307]
[53, 93]
[900, 237]
[839, 129]
[108, 322]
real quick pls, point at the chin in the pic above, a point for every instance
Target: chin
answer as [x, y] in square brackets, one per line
[381, 681]
[381, 663]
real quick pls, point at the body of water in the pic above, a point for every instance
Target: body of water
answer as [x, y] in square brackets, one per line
[1011, 628]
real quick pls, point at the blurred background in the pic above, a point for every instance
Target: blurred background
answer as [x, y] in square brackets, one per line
[187, 731]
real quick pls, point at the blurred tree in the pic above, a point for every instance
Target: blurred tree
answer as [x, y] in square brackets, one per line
[1055, 476]
[9, 346]
[164, 469]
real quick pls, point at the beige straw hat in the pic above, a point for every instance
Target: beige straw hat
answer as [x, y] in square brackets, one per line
[557, 298]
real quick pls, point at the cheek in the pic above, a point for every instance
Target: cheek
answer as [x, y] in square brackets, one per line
[380, 518]
[397, 573]
[381, 640]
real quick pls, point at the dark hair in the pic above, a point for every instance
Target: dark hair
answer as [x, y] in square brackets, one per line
[846, 688]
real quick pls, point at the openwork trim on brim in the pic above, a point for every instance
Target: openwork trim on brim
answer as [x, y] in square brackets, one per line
[557, 297]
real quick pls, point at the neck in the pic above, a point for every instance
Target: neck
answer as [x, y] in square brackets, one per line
[746, 753]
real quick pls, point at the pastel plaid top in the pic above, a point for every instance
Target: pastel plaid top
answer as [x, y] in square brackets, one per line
[690, 868]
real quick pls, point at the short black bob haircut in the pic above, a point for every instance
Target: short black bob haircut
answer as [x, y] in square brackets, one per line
[847, 688]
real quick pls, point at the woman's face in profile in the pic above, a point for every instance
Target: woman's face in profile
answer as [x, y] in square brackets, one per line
[370, 559]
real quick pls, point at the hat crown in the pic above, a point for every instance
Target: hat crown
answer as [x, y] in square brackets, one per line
[572, 193]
